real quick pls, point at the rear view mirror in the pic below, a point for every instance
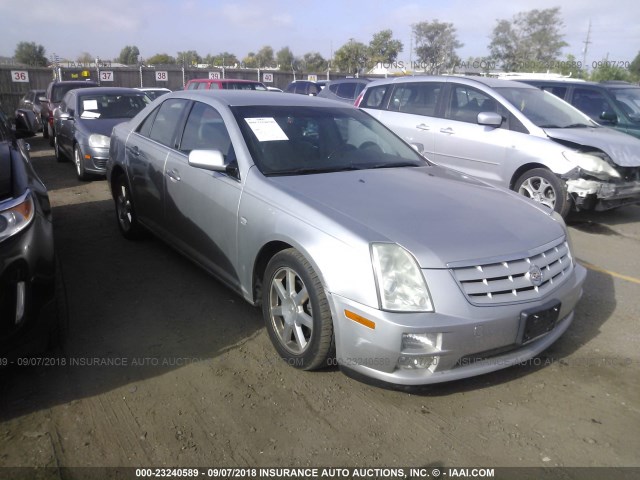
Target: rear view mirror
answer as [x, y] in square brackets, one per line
[26, 125]
[609, 117]
[490, 119]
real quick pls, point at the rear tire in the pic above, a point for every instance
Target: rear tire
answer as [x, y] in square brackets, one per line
[126, 217]
[60, 157]
[545, 187]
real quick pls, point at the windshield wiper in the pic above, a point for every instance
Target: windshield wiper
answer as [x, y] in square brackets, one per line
[548, 126]
[395, 165]
[577, 125]
[309, 170]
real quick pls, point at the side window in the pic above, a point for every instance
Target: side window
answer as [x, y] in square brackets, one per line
[374, 97]
[466, 103]
[417, 98]
[559, 92]
[346, 90]
[165, 125]
[205, 130]
[145, 127]
[591, 102]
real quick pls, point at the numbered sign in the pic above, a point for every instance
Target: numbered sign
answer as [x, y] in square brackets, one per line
[19, 76]
[214, 75]
[162, 76]
[312, 78]
[267, 77]
[106, 76]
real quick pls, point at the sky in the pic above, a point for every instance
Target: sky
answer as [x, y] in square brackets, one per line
[103, 28]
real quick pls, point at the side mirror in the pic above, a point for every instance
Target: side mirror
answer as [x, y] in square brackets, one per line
[208, 160]
[609, 117]
[489, 119]
[26, 124]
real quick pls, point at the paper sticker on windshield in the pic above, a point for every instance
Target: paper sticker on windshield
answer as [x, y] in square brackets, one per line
[89, 104]
[266, 129]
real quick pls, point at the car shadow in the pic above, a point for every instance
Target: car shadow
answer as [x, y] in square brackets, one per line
[136, 310]
[601, 222]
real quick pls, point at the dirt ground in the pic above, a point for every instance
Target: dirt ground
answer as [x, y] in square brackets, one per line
[192, 379]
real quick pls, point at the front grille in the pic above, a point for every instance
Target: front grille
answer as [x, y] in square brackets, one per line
[511, 281]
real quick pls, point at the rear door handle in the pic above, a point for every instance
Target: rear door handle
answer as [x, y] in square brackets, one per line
[134, 151]
[173, 175]
[423, 126]
[447, 130]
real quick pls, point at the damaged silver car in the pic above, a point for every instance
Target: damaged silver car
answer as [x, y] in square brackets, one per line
[512, 135]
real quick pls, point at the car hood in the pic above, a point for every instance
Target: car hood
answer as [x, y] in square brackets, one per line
[623, 149]
[103, 126]
[439, 215]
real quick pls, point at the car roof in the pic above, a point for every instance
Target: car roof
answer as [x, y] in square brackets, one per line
[222, 80]
[250, 98]
[487, 81]
[107, 90]
[349, 80]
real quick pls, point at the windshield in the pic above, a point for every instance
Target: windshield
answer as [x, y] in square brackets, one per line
[544, 109]
[628, 100]
[112, 105]
[295, 140]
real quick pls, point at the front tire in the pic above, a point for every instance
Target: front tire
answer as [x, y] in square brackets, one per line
[543, 186]
[79, 161]
[60, 157]
[296, 311]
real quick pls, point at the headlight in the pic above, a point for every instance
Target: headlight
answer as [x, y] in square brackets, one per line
[591, 163]
[16, 217]
[98, 141]
[401, 286]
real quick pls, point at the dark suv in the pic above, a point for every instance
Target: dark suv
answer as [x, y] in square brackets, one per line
[304, 87]
[613, 104]
[53, 97]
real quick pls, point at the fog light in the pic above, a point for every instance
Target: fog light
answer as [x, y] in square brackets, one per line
[417, 343]
[417, 362]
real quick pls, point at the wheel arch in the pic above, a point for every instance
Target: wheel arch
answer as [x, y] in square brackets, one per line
[265, 254]
[524, 168]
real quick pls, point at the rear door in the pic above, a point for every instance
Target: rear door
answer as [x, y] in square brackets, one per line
[65, 128]
[411, 111]
[147, 150]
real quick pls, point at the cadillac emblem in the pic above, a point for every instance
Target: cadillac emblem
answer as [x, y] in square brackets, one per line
[535, 275]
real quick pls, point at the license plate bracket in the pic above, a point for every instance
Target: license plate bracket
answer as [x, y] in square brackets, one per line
[537, 322]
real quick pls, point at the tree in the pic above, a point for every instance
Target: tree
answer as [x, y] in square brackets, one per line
[436, 44]
[250, 61]
[129, 55]
[352, 57]
[30, 54]
[383, 48]
[284, 58]
[314, 62]
[634, 67]
[188, 58]
[264, 57]
[606, 70]
[223, 59]
[161, 59]
[85, 58]
[531, 41]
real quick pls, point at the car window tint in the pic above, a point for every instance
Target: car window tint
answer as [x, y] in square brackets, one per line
[628, 100]
[145, 127]
[558, 91]
[291, 140]
[205, 130]
[374, 96]
[591, 102]
[417, 98]
[466, 103]
[165, 125]
[346, 90]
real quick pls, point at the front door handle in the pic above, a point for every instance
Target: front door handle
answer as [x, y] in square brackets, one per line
[134, 151]
[423, 126]
[448, 130]
[173, 175]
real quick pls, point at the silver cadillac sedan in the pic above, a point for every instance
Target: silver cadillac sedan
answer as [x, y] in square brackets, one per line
[360, 252]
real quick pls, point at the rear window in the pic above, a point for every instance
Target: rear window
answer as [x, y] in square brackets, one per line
[374, 96]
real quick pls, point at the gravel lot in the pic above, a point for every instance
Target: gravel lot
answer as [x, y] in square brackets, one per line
[194, 380]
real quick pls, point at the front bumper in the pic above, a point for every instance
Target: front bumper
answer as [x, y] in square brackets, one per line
[95, 159]
[27, 289]
[473, 340]
[601, 195]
